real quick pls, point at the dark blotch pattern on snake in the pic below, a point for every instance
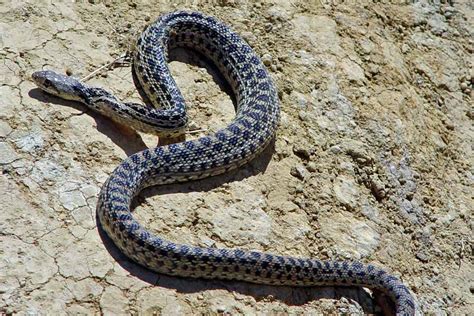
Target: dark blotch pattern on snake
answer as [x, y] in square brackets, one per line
[246, 136]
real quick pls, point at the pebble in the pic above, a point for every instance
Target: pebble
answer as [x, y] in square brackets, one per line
[312, 167]
[448, 12]
[221, 309]
[267, 59]
[299, 172]
[249, 37]
[301, 151]
[193, 126]
[422, 256]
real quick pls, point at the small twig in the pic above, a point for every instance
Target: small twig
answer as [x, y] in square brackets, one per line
[196, 131]
[92, 74]
[114, 29]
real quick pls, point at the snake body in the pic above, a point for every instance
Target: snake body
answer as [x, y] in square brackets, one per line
[248, 134]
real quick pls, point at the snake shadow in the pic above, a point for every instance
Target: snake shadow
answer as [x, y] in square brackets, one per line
[130, 141]
[292, 296]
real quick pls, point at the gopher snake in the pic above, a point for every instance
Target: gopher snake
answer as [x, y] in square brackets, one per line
[246, 136]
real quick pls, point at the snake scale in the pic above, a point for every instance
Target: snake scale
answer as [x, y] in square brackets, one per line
[253, 127]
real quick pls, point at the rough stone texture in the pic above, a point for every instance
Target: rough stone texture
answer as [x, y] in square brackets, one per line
[372, 161]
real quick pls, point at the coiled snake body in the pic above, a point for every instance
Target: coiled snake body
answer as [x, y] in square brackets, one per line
[251, 130]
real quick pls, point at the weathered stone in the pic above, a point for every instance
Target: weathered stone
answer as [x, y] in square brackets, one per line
[71, 200]
[300, 172]
[350, 234]
[7, 154]
[346, 190]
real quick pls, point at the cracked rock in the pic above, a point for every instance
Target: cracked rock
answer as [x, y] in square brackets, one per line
[113, 301]
[72, 200]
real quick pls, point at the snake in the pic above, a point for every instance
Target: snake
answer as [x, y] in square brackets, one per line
[245, 137]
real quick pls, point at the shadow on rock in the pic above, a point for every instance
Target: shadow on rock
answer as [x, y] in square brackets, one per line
[124, 137]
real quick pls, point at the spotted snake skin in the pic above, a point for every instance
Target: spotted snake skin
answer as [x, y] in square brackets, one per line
[251, 130]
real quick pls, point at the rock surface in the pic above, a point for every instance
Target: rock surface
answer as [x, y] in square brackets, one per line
[373, 159]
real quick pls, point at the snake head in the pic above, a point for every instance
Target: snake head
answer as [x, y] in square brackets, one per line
[58, 85]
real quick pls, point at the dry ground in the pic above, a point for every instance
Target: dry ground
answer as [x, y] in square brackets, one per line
[372, 161]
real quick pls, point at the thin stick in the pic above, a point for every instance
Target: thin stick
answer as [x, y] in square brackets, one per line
[92, 74]
[196, 131]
